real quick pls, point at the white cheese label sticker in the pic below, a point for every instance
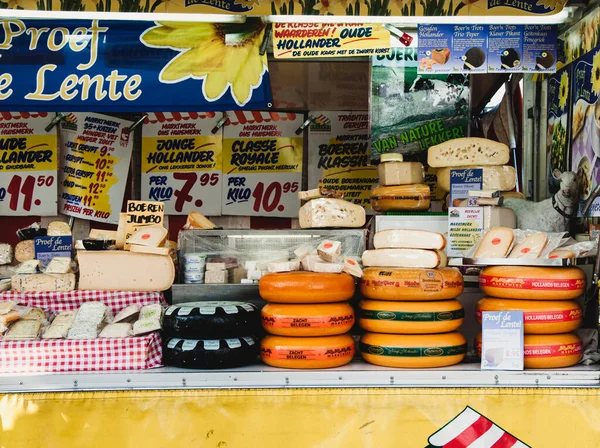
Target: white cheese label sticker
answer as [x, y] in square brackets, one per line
[230, 309]
[250, 341]
[208, 310]
[170, 310]
[173, 342]
[185, 310]
[247, 307]
[233, 343]
[212, 345]
[188, 345]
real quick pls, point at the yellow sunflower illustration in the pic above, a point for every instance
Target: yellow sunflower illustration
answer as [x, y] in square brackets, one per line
[333, 7]
[223, 55]
[563, 93]
[596, 73]
[550, 4]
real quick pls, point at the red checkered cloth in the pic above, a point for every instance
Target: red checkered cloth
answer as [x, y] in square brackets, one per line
[70, 355]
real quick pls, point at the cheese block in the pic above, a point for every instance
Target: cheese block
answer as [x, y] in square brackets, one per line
[322, 352]
[43, 282]
[327, 212]
[352, 267]
[495, 243]
[7, 318]
[333, 268]
[411, 317]
[118, 330]
[101, 234]
[149, 250]
[150, 236]
[309, 195]
[306, 287]
[59, 265]
[88, 321]
[24, 251]
[124, 271]
[35, 314]
[531, 247]
[7, 306]
[561, 253]
[409, 239]
[29, 267]
[5, 284]
[409, 258]
[216, 277]
[210, 354]
[416, 197]
[411, 284]
[153, 311]
[307, 320]
[471, 151]
[59, 328]
[329, 250]
[23, 329]
[304, 251]
[540, 316]
[128, 314]
[497, 178]
[197, 220]
[58, 228]
[121, 231]
[413, 351]
[401, 173]
[533, 283]
[6, 254]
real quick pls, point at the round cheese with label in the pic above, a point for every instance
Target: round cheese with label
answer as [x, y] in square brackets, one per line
[533, 283]
[413, 351]
[411, 317]
[401, 284]
[210, 353]
[306, 287]
[198, 320]
[307, 320]
[401, 198]
[307, 353]
[540, 316]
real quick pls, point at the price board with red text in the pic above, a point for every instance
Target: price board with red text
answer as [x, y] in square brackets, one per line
[96, 151]
[262, 164]
[182, 161]
[28, 164]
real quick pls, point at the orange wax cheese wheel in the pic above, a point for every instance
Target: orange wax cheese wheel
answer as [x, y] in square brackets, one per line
[411, 317]
[307, 353]
[307, 320]
[403, 284]
[535, 283]
[401, 198]
[478, 344]
[540, 316]
[413, 351]
[306, 287]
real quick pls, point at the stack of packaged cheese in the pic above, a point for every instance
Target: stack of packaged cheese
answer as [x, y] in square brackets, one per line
[401, 186]
[413, 317]
[308, 319]
[546, 295]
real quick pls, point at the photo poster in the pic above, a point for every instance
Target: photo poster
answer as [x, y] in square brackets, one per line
[411, 112]
[585, 138]
[182, 162]
[339, 156]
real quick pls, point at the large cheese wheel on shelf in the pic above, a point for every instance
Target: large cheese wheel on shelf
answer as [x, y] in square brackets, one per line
[413, 351]
[540, 316]
[401, 198]
[535, 283]
[410, 258]
[210, 354]
[401, 284]
[411, 317]
[307, 353]
[307, 320]
[306, 287]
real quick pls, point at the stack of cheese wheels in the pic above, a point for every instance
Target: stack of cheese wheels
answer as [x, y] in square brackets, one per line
[411, 315]
[401, 186]
[463, 153]
[308, 319]
[546, 296]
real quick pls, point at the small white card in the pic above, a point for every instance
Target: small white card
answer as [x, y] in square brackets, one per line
[502, 340]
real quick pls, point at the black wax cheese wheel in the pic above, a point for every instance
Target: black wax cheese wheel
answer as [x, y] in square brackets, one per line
[209, 320]
[211, 353]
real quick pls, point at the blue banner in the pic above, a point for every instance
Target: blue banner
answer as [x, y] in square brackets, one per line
[107, 66]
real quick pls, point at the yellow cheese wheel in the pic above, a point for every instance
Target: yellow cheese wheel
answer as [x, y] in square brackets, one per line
[307, 353]
[307, 320]
[306, 287]
[540, 316]
[401, 198]
[534, 283]
[547, 351]
[411, 317]
[413, 351]
[405, 284]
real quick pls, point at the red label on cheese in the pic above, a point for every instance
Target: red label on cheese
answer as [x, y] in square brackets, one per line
[146, 236]
[328, 245]
[553, 256]
[307, 322]
[496, 241]
[544, 351]
[525, 250]
[547, 317]
[352, 262]
[307, 353]
[536, 284]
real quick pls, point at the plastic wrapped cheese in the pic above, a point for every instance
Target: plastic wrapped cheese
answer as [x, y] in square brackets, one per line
[401, 198]
[401, 258]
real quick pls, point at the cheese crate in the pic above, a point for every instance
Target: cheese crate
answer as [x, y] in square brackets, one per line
[86, 355]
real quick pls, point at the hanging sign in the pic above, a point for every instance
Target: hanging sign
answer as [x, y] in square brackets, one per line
[105, 66]
[540, 48]
[28, 165]
[505, 48]
[317, 40]
[262, 164]
[182, 161]
[142, 214]
[340, 155]
[96, 150]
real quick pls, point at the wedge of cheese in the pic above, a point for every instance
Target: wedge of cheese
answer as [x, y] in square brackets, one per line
[326, 212]
[496, 243]
[24, 251]
[150, 250]
[408, 239]
[499, 178]
[401, 173]
[531, 247]
[124, 271]
[59, 265]
[149, 236]
[60, 326]
[43, 282]
[329, 250]
[401, 258]
[100, 234]
[471, 151]
[58, 228]
[29, 267]
[23, 329]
